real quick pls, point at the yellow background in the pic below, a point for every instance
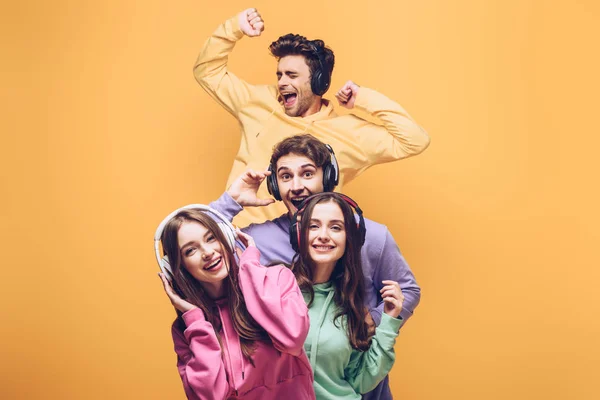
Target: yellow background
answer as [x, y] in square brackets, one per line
[104, 131]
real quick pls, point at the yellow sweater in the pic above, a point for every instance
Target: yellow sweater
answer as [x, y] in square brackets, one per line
[358, 144]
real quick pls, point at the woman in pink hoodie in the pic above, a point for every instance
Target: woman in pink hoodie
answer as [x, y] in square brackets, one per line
[240, 330]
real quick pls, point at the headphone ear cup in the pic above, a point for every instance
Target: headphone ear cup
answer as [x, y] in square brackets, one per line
[328, 178]
[272, 185]
[294, 236]
[166, 268]
[229, 235]
[316, 83]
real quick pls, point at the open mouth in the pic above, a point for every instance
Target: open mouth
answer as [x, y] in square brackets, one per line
[214, 265]
[289, 99]
[297, 201]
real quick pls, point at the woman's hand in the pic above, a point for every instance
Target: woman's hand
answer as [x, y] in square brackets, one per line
[177, 301]
[392, 297]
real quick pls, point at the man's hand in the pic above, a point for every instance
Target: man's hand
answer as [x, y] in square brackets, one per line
[243, 190]
[251, 23]
[346, 96]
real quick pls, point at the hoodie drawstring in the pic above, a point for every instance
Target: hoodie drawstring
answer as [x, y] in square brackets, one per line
[235, 388]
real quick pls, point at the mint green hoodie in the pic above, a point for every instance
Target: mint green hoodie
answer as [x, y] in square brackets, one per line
[342, 372]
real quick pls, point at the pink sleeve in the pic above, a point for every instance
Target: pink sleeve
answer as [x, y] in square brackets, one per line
[199, 358]
[275, 301]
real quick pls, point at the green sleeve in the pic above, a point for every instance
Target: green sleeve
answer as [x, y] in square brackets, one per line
[367, 368]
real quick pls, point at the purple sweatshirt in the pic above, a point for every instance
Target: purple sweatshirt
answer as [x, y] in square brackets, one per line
[381, 260]
[281, 369]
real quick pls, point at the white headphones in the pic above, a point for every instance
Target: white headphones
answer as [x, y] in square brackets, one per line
[224, 224]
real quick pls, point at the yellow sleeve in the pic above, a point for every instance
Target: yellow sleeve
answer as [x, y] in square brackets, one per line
[211, 71]
[398, 136]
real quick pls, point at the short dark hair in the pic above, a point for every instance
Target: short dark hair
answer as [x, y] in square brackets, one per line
[306, 145]
[290, 44]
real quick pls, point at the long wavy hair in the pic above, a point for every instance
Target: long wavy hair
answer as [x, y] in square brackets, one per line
[191, 290]
[347, 276]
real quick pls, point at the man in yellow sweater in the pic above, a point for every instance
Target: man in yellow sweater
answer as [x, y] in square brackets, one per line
[270, 113]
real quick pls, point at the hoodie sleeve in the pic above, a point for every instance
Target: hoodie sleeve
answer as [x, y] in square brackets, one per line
[210, 69]
[367, 368]
[275, 301]
[199, 358]
[398, 136]
[391, 265]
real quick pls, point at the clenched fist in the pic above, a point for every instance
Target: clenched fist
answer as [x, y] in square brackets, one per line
[346, 96]
[251, 23]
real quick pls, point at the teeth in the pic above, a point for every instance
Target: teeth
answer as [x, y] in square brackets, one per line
[213, 264]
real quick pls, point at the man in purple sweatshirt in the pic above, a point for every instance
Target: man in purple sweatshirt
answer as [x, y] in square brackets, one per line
[302, 165]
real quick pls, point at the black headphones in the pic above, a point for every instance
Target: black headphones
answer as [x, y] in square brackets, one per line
[331, 176]
[321, 78]
[295, 227]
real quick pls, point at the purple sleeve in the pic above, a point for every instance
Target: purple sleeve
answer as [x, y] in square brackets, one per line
[199, 358]
[392, 266]
[227, 206]
[274, 300]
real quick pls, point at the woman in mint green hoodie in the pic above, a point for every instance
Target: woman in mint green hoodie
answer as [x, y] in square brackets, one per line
[348, 356]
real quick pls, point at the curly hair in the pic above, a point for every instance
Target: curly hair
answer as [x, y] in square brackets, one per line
[312, 50]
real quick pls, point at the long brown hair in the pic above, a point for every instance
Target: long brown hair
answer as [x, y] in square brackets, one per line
[190, 289]
[347, 276]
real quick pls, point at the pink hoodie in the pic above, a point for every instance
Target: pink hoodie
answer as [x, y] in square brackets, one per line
[282, 369]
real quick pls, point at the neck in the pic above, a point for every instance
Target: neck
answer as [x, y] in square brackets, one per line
[313, 109]
[322, 272]
[214, 290]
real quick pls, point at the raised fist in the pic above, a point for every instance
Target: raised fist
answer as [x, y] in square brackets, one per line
[251, 23]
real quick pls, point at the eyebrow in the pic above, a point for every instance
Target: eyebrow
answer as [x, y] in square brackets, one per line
[333, 221]
[284, 168]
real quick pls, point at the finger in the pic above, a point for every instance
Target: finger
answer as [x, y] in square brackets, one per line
[389, 287]
[239, 252]
[388, 282]
[254, 20]
[265, 202]
[259, 27]
[252, 15]
[390, 293]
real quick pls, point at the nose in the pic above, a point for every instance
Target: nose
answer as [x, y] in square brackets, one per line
[282, 82]
[323, 235]
[297, 185]
[207, 253]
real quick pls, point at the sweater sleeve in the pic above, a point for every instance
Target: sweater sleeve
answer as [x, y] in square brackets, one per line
[274, 300]
[392, 266]
[199, 358]
[367, 368]
[210, 69]
[398, 137]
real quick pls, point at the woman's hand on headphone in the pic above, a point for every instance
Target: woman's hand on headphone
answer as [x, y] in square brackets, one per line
[177, 301]
[392, 297]
[251, 23]
[244, 189]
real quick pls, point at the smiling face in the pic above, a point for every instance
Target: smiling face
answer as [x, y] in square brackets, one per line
[293, 82]
[202, 255]
[297, 177]
[326, 235]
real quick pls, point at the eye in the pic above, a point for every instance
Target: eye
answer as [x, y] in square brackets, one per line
[285, 177]
[211, 238]
[336, 228]
[312, 227]
[308, 174]
[189, 251]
